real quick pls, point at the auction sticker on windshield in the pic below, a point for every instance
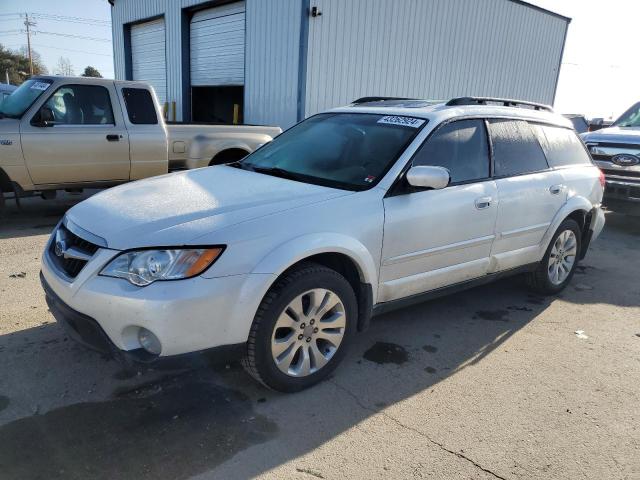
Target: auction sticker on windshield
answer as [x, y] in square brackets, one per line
[40, 86]
[402, 121]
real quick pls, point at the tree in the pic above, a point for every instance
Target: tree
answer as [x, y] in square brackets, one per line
[16, 64]
[91, 72]
[64, 67]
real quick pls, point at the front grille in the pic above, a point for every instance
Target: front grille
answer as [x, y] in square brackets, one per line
[622, 173]
[70, 266]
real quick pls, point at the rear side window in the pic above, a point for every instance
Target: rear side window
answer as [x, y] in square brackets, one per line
[140, 107]
[515, 148]
[561, 146]
[461, 147]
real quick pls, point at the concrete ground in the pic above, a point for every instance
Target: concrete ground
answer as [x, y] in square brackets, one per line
[490, 383]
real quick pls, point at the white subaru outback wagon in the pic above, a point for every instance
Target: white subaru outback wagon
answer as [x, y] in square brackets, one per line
[285, 255]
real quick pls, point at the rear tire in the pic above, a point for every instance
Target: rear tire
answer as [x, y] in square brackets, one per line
[555, 270]
[302, 329]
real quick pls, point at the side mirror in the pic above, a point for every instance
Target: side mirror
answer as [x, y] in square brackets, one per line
[424, 176]
[44, 118]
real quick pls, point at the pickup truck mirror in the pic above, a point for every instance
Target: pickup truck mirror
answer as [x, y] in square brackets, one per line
[424, 176]
[44, 118]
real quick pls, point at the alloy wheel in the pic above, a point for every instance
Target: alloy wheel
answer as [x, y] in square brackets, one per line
[308, 332]
[562, 257]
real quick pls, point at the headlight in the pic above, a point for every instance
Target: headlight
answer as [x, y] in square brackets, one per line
[143, 267]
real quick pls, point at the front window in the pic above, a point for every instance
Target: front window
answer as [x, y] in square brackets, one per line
[23, 97]
[630, 118]
[81, 105]
[351, 151]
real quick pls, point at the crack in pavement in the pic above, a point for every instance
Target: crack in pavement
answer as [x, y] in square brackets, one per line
[408, 427]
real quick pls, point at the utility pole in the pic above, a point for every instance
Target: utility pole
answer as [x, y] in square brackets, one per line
[28, 24]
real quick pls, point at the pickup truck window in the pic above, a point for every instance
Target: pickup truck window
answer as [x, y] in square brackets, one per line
[140, 106]
[23, 97]
[461, 147]
[341, 150]
[81, 105]
[561, 146]
[516, 149]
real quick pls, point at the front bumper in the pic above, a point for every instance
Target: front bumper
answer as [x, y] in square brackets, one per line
[187, 316]
[622, 191]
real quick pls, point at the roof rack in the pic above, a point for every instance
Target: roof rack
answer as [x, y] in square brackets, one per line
[507, 102]
[377, 99]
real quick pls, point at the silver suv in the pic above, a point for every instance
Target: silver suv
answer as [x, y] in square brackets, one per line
[285, 255]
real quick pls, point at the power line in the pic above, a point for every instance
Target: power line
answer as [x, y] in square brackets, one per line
[70, 35]
[82, 21]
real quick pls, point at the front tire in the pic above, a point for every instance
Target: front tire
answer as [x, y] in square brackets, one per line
[559, 263]
[302, 329]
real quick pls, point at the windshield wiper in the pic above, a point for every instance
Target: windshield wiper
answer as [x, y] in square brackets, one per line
[276, 172]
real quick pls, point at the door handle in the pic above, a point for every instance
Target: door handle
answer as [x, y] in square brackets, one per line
[484, 202]
[556, 189]
[113, 138]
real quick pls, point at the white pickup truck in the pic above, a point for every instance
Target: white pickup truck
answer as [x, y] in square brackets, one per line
[77, 132]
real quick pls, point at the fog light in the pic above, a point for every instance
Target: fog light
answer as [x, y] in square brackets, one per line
[149, 341]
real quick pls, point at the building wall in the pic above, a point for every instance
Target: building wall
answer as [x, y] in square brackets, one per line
[272, 61]
[436, 49]
[272, 53]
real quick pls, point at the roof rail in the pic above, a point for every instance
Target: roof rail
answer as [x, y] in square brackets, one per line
[507, 102]
[377, 99]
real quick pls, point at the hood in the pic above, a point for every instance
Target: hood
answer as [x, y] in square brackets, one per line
[614, 135]
[174, 209]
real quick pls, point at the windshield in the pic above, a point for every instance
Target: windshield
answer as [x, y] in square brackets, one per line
[630, 118]
[351, 151]
[23, 97]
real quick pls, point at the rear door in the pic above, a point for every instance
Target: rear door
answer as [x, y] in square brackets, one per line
[434, 238]
[529, 193]
[87, 142]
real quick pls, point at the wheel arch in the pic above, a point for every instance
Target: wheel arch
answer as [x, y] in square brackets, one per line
[577, 208]
[230, 154]
[343, 254]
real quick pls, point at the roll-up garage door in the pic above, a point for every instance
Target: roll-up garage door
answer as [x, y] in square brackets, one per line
[148, 60]
[217, 46]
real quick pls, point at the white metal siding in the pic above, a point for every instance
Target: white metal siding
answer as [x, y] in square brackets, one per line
[148, 56]
[272, 55]
[434, 49]
[418, 48]
[217, 45]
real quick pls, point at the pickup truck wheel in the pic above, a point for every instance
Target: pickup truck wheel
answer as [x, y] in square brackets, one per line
[302, 329]
[559, 263]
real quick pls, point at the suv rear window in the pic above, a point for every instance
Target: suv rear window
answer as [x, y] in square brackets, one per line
[140, 107]
[515, 148]
[561, 146]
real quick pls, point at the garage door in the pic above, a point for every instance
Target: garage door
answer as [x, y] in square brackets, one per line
[148, 60]
[217, 46]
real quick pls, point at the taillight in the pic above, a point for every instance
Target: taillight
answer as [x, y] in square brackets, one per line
[602, 179]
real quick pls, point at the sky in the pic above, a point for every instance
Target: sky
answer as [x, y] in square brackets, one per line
[598, 78]
[96, 51]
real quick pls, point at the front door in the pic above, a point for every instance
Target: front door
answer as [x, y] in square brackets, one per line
[84, 144]
[436, 238]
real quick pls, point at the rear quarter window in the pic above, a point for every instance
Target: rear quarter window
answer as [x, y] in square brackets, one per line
[516, 149]
[140, 107]
[561, 146]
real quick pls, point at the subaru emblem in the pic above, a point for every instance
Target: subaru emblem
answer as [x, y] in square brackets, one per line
[60, 248]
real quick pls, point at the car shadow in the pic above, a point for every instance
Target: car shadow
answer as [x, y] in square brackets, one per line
[67, 412]
[36, 216]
